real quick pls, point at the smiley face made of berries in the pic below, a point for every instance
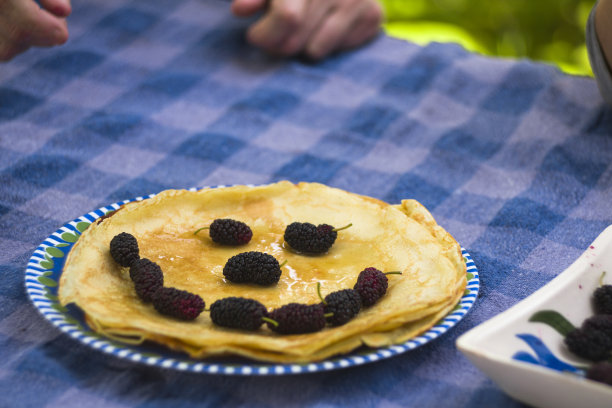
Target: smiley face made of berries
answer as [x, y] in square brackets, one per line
[335, 309]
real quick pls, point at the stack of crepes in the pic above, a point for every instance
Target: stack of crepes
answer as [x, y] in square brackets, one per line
[402, 237]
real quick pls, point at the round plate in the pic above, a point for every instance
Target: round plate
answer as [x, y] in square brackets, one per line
[47, 262]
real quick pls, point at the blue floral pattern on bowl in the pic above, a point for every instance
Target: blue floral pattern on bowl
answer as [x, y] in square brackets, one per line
[543, 356]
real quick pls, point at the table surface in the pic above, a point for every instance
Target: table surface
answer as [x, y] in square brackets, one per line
[511, 156]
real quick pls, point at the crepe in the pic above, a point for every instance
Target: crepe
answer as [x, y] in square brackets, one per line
[402, 237]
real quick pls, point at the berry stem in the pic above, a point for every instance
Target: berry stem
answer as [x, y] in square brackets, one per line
[327, 315]
[393, 273]
[601, 278]
[271, 321]
[200, 229]
[283, 264]
[342, 228]
[319, 293]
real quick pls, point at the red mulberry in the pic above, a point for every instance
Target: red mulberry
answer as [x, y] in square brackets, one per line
[178, 303]
[297, 318]
[226, 231]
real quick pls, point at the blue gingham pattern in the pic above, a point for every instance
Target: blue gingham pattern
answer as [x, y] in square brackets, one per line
[511, 157]
[46, 265]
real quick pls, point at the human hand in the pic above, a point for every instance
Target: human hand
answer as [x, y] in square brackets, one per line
[315, 28]
[24, 24]
[603, 20]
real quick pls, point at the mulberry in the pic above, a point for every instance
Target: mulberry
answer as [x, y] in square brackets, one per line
[601, 372]
[310, 239]
[371, 285]
[147, 277]
[252, 267]
[238, 313]
[341, 306]
[602, 299]
[297, 318]
[226, 231]
[178, 303]
[589, 344]
[124, 249]
[600, 322]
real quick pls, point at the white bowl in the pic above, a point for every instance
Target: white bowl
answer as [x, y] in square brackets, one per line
[528, 359]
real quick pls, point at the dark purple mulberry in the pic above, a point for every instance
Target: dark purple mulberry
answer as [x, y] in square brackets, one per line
[602, 299]
[226, 231]
[601, 372]
[297, 318]
[592, 345]
[371, 285]
[252, 267]
[124, 249]
[310, 239]
[343, 305]
[147, 277]
[600, 322]
[178, 303]
[238, 313]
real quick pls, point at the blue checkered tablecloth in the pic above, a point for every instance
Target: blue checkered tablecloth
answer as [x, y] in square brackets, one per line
[512, 157]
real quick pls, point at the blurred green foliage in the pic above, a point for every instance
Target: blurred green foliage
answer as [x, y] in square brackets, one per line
[544, 30]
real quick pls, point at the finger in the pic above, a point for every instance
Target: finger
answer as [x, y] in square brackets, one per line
[365, 29]
[345, 28]
[329, 36]
[282, 18]
[41, 28]
[366, 34]
[314, 16]
[59, 8]
[245, 8]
